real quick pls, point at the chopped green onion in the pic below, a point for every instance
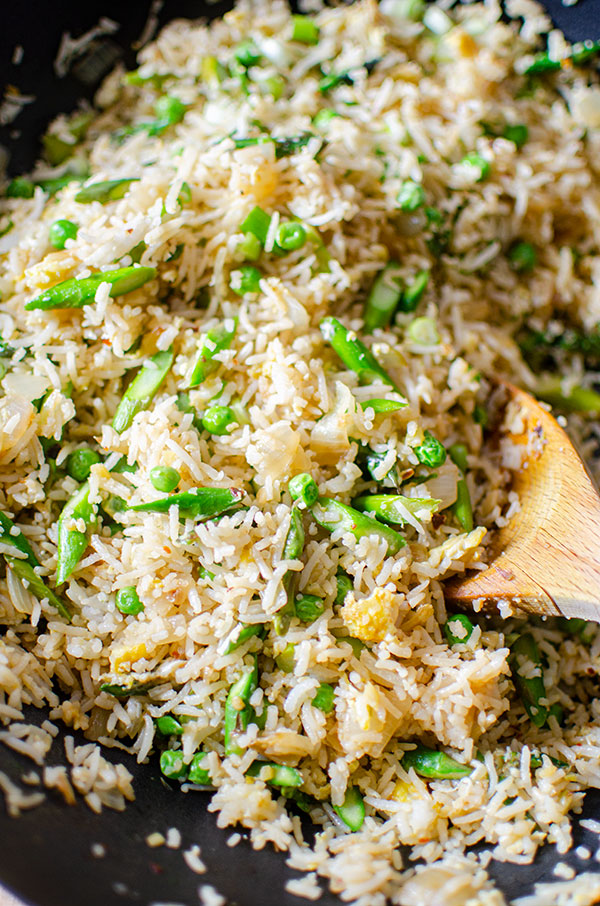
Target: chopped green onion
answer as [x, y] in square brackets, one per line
[175, 254]
[584, 51]
[257, 223]
[304, 30]
[522, 256]
[411, 196]
[478, 168]
[247, 53]
[542, 63]
[424, 332]
[431, 452]
[250, 247]
[333, 79]
[285, 660]
[323, 117]
[303, 487]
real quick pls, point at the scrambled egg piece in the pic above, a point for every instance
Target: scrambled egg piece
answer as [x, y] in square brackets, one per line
[458, 548]
[127, 654]
[370, 618]
[54, 268]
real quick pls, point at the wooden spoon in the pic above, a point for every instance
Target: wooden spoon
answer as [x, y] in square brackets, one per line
[546, 560]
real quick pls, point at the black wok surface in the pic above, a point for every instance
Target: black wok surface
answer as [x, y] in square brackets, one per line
[45, 856]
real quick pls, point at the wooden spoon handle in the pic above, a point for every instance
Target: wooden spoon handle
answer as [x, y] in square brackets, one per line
[547, 559]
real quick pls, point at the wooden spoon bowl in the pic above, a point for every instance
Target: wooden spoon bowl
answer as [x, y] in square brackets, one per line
[546, 560]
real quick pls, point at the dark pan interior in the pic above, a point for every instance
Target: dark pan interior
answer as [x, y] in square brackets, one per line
[45, 856]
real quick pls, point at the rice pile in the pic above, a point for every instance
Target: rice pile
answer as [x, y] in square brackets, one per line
[407, 102]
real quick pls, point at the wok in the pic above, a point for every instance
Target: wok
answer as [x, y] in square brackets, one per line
[46, 855]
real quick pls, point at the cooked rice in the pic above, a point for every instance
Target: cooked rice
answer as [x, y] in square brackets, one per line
[411, 114]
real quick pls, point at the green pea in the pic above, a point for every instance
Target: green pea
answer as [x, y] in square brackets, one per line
[344, 586]
[164, 478]
[80, 462]
[21, 187]
[303, 487]
[169, 109]
[478, 167]
[324, 698]
[127, 600]
[517, 133]
[172, 764]
[309, 608]
[522, 256]
[245, 280]
[60, 231]
[411, 196]
[168, 726]
[290, 236]
[217, 419]
[458, 629]
[431, 452]
[198, 774]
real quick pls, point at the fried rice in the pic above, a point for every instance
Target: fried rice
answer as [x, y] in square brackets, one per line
[459, 150]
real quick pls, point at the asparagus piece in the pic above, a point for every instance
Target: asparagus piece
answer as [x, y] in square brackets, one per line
[74, 293]
[333, 515]
[238, 711]
[142, 389]
[72, 542]
[353, 352]
[108, 190]
[203, 503]
[217, 339]
[352, 810]
[523, 654]
[434, 765]
[390, 507]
